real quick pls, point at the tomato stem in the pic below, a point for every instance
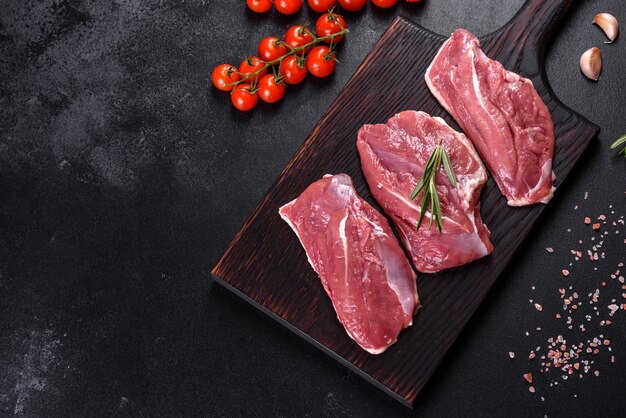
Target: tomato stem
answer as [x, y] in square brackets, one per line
[293, 51]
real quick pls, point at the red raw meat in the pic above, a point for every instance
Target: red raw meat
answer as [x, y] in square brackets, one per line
[502, 114]
[393, 157]
[359, 261]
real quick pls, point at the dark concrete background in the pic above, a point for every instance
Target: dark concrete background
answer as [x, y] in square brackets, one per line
[123, 178]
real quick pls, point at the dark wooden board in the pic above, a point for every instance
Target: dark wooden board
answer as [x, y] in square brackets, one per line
[265, 264]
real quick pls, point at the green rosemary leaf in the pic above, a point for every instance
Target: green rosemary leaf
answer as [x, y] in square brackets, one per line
[436, 213]
[431, 162]
[620, 141]
[420, 186]
[434, 202]
[448, 167]
[425, 201]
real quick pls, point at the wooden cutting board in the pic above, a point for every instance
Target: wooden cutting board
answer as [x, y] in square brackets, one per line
[266, 266]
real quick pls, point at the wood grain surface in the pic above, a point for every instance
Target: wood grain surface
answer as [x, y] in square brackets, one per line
[266, 265]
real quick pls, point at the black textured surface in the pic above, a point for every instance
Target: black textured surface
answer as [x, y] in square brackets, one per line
[123, 178]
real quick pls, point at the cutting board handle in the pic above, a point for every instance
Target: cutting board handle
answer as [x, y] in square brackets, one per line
[528, 31]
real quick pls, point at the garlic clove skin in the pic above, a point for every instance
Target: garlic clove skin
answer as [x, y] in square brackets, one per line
[591, 63]
[608, 23]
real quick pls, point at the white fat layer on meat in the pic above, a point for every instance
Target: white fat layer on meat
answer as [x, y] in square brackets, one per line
[378, 231]
[393, 272]
[476, 237]
[483, 98]
[344, 246]
[546, 172]
[344, 243]
[429, 82]
[378, 350]
[295, 230]
[476, 84]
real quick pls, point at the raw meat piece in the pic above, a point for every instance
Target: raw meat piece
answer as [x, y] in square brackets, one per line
[393, 157]
[359, 261]
[502, 114]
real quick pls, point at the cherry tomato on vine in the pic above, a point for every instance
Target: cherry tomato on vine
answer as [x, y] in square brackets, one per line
[352, 5]
[249, 66]
[288, 7]
[271, 48]
[384, 4]
[322, 6]
[271, 89]
[223, 75]
[321, 61]
[330, 23]
[259, 6]
[297, 36]
[293, 69]
[243, 97]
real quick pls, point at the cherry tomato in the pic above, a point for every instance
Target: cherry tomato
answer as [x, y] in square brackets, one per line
[384, 4]
[321, 61]
[352, 5]
[293, 69]
[243, 97]
[250, 65]
[270, 89]
[288, 7]
[322, 6]
[297, 36]
[330, 23]
[271, 48]
[223, 75]
[259, 6]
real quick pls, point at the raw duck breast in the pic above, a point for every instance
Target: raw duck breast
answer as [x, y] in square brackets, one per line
[502, 114]
[358, 259]
[393, 157]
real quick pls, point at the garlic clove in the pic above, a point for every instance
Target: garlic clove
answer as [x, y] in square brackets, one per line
[591, 63]
[608, 23]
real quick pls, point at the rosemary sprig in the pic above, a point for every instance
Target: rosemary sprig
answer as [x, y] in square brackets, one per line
[438, 158]
[620, 141]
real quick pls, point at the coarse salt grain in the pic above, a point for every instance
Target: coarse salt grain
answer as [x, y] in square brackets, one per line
[511, 354]
[568, 360]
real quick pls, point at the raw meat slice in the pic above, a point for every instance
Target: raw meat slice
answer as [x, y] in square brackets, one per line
[393, 157]
[359, 261]
[502, 114]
